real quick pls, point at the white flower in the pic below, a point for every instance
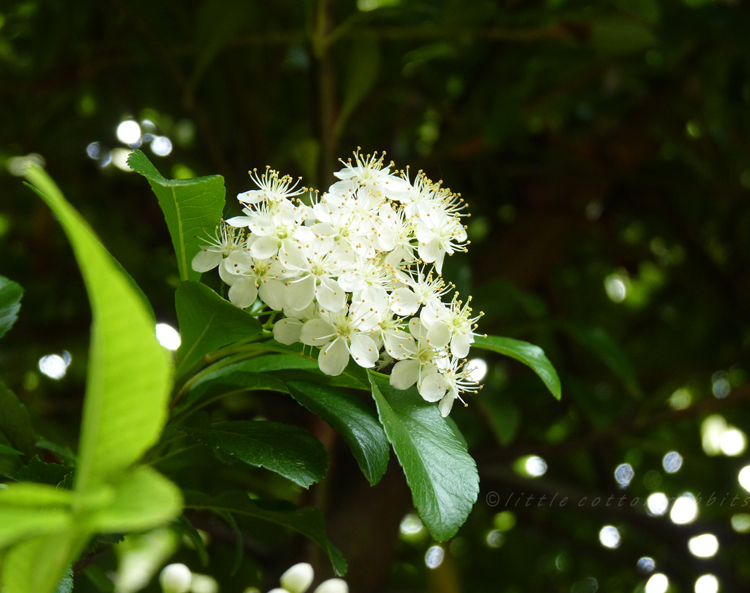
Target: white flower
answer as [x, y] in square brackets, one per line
[447, 383]
[369, 173]
[225, 240]
[452, 324]
[342, 333]
[438, 232]
[253, 277]
[273, 189]
[418, 360]
[417, 290]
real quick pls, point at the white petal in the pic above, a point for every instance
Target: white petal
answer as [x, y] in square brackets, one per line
[272, 293]
[364, 350]
[404, 374]
[239, 221]
[404, 301]
[433, 387]
[300, 293]
[332, 586]
[298, 578]
[439, 335]
[287, 331]
[416, 328]
[399, 344]
[226, 274]
[330, 294]
[264, 248]
[446, 404]
[430, 251]
[206, 260]
[461, 344]
[317, 332]
[334, 357]
[351, 282]
[243, 292]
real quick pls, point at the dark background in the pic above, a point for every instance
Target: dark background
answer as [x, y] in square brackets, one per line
[603, 149]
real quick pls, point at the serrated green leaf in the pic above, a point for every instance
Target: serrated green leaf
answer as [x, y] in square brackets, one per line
[143, 499]
[287, 450]
[307, 521]
[10, 304]
[44, 473]
[599, 343]
[528, 354]
[15, 423]
[129, 372]
[190, 206]
[207, 322]
[440, 472]
[352, 419]
[66, 582]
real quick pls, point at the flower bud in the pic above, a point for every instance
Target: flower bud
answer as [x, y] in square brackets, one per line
[332, 586]
[175, 578]
[298, 578]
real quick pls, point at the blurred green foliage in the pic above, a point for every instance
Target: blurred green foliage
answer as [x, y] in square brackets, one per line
[603, 149]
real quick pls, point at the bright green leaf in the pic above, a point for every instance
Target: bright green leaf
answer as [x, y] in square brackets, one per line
[10, 304]
[40, 564]
[441, 474]
[528, 354]
[307, 521]
[129, 372]
[190, 206]
[287, 450]
[352, 419]
[15, 423]
[21, 522]
[29, 494]
[207, 322]
[143, 499]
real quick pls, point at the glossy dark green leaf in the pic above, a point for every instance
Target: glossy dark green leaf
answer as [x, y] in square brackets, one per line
[9, 451]
[287, 450]
[191, 208]
[43, 473]
[15, 423]
[10, 304]
[307, 521]
[207, 322]
[352, 419]
[440, 472]
[224, 381]
[528, 354]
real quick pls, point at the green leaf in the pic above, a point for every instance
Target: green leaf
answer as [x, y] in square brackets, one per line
[307, 521]
[129, 372]
[44, 473]
[599, 343]
[441, 474]
[189, 207]
[278, 362]
[230, 379]
[352, 419]
[528, 354]
[10, 304]
[620, 36]
[504, 417]
[21, 522]
[30, 494]
[287, 450]
[66, 583]
[207, 322]
[15, 423]
[9, 451]
[363, 72]
[143, 499]
[40, 564]
[189, 531]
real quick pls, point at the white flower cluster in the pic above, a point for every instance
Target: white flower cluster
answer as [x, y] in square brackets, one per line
[350, 272]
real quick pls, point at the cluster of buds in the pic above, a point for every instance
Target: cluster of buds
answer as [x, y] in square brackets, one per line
[355, 271]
